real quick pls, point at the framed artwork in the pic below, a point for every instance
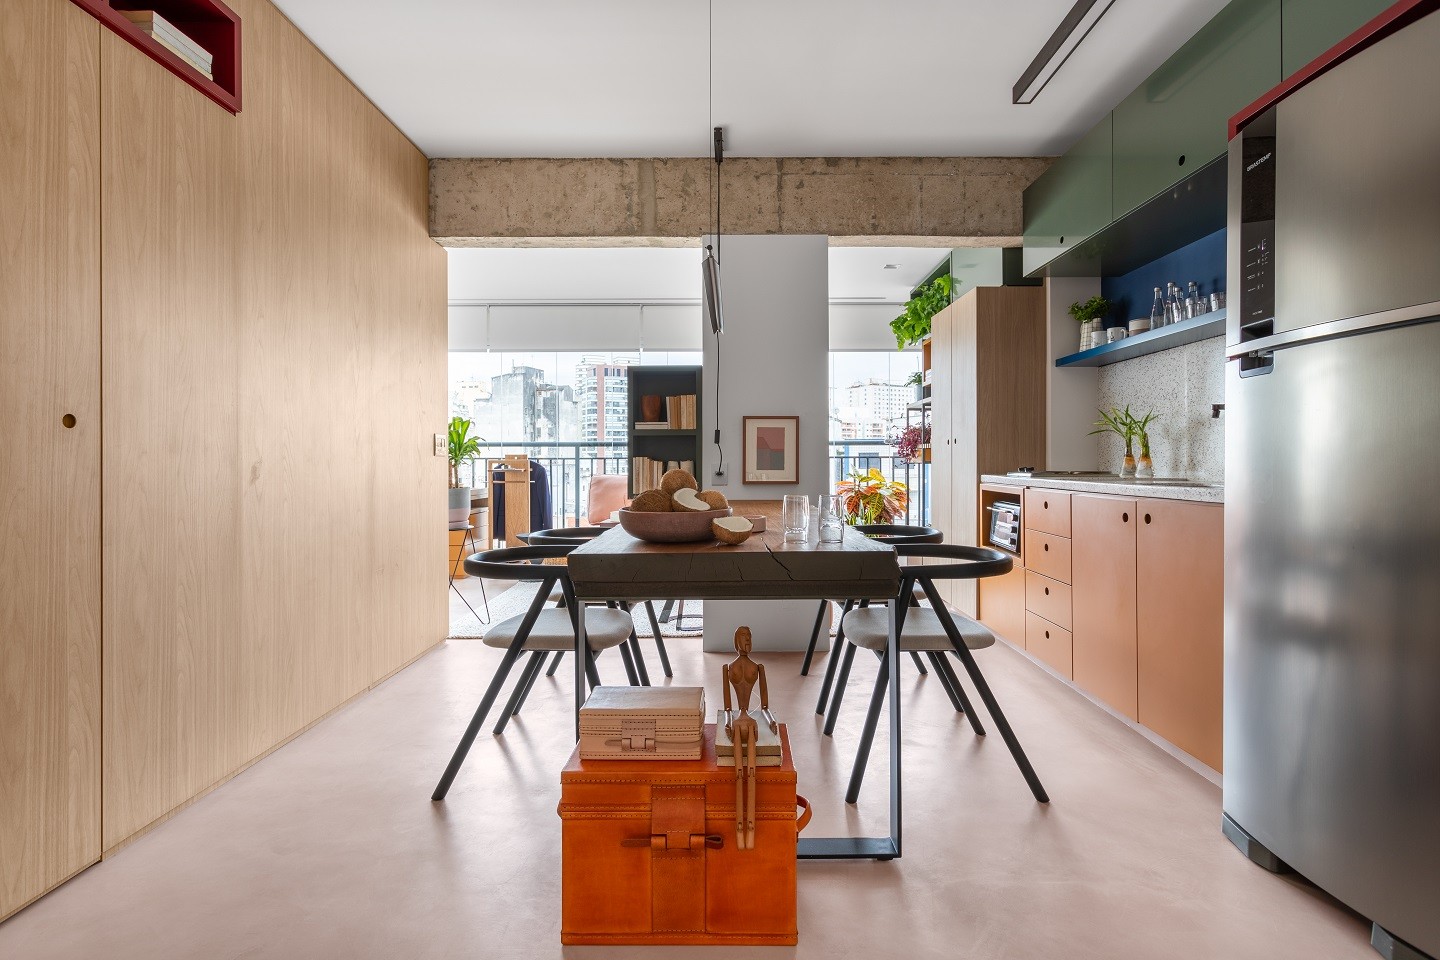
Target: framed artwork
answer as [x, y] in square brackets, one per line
[772, 450]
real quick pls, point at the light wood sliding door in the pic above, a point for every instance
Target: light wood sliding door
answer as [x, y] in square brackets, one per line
[49, 463]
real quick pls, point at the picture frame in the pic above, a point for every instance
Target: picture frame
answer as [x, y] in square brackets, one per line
[771, 448]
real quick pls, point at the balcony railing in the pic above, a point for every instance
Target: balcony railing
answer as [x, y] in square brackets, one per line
[570, 464]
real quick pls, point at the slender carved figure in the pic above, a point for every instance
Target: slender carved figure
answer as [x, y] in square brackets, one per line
[743, 674]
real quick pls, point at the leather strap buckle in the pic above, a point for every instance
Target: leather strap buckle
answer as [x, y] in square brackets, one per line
[660, 842]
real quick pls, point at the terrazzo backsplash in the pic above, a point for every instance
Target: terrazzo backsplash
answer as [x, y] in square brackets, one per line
[1179, 384]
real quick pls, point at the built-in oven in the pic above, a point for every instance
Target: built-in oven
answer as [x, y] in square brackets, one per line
[1005, 525]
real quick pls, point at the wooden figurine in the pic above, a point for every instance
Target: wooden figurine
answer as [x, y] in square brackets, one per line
[743, 674]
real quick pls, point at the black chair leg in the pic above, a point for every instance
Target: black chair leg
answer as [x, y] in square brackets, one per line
[659, 639]
[591, 673]
[975, 724]
[525, 694]
[476, 722]
[867, 736]
[987, 697]
[635, 652]
[847, 658]
[832, 660]
[665, 611]
[919, 664]
[945, 682]
[517, 696]
[555, 663]
[814, 639]
[630, 673]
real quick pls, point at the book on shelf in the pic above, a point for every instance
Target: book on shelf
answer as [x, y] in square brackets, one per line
[680, 411]
[166, 34]
[646, 473]
[646, 425]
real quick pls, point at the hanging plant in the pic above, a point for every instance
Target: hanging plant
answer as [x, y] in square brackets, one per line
[908, 442]
[913, 325]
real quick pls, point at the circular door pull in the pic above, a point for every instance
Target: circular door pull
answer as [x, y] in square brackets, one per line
[68, 420]
[1125, 517]
[1147, 518]
[1047, 548]
[1045, 504]
[1047, 591]
[1047, 634]
[1182, 160]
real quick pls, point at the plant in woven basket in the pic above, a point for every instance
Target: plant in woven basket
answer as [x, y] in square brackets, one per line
[872, 498]
[909, 442]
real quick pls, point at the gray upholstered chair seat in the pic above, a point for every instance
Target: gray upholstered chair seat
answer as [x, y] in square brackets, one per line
[604, 628]
[869, 627]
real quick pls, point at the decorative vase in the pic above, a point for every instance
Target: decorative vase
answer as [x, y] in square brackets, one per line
[459, 504]
[650, 407]
[1127, 467]
[1144, 468]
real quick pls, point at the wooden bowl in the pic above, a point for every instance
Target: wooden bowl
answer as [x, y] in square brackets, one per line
[676, 526]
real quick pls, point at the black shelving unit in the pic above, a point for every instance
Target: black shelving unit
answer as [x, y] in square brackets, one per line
[663, 444]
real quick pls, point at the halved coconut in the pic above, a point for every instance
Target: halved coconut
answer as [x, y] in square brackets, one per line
[731, 530]
[715, 498]
[686, 499]
[652, 501]
[676, 480]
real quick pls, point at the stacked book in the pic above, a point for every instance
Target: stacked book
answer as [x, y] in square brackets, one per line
[647, 472]
[767, 739]
[680, 411]
[166, 34]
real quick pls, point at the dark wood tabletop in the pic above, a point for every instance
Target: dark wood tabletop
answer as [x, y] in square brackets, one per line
[764, 567]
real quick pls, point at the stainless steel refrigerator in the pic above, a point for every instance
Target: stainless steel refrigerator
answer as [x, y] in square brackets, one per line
[1332, 587]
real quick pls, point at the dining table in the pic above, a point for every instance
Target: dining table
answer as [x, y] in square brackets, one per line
[764, 567]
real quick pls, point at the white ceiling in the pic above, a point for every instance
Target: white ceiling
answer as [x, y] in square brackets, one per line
[630, 78]
[657, 275]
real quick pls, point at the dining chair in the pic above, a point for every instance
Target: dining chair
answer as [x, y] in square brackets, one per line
[537, 631]
[935, 631]
[893, 534]
[574, 536]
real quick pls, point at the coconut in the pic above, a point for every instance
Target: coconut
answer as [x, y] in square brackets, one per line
[686, 499]
[652, 501]
[731, 530]
[715, 498]
[678, 480]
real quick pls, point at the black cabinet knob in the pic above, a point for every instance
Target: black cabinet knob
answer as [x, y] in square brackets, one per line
[1147, 518]
[1125, 517]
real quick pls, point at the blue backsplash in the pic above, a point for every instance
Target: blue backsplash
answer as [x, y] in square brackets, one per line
[1132, 294]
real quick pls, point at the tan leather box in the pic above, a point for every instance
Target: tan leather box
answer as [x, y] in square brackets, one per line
[642, 723]
[649, 853]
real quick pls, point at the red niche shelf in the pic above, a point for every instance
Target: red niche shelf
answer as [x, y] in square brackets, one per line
[209, 23]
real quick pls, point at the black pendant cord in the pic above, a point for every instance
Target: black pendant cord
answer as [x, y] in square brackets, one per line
[715, 182]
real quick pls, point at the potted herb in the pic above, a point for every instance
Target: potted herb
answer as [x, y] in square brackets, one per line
[910, 442]
[1091, 315]
[1122, 424]
[870, 498]
[463, 447]
[1145, 467]
[913, 325]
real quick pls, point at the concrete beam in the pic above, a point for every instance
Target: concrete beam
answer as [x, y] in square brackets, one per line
[859, 201]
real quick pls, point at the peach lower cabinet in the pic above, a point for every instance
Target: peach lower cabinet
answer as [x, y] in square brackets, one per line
[1123, 596]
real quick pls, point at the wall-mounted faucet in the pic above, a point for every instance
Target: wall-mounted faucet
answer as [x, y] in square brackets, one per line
[1215, 410]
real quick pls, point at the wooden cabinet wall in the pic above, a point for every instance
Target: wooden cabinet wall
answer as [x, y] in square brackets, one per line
[49, 476]
[987, 406]
[272, 315]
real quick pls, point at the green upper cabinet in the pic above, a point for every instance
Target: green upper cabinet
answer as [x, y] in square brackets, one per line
[1314, 26]
[1177, 120]
[1070, 201]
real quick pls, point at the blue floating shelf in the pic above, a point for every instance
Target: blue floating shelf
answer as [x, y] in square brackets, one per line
[1202, 327]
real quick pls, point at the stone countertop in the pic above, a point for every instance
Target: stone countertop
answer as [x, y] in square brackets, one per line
[1161, 489]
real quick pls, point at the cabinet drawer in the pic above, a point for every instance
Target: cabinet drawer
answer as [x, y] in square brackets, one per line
[1049, 598]
[1048, 554]
[1047, 511]
[1045, 641]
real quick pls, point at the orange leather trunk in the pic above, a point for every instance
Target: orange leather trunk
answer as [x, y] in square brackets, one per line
[636, 865]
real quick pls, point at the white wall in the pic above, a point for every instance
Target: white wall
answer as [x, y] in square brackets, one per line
[772, 361]
[1073, 394]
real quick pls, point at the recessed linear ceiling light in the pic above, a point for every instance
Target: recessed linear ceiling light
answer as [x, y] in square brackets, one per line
[1072, 30]
[892, 266]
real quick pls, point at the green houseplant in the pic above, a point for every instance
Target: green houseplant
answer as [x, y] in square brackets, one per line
[1122, 424]
[462, 447]
[1144, 467]
[1091, 316]
[913, 325]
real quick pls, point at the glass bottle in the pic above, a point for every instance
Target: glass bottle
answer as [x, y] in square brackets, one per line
[1173, 310]
[1192, 299]
[1158, 318]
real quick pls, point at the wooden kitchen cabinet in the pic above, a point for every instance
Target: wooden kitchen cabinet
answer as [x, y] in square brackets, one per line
[1103, 627]
[1002, 605]
[1047, 511]
[1180, 623]
[1071, 201]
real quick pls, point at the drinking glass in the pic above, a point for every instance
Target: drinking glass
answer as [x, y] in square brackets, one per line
[832, 519]
[795, 516]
